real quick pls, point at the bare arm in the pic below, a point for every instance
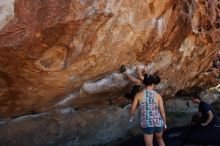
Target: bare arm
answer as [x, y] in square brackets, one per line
[162, 111]
[133, 79]
[139, 71]
[134, 104]
[146, 69]
[142, 71]
[210, 117]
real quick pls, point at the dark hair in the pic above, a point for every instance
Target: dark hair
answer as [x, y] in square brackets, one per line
[150, 80]
[196, 96]
[156, 80]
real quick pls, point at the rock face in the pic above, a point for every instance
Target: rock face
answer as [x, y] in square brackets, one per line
[66, 127]
[66, 53]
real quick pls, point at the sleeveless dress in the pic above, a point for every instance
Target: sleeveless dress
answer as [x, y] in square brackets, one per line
[149, 111]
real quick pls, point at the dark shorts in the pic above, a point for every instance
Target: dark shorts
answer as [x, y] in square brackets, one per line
[152, 130]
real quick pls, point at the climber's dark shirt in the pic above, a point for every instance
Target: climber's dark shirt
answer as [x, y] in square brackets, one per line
[204, 108]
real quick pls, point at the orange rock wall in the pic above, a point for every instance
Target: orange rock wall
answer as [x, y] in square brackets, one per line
[51, 50]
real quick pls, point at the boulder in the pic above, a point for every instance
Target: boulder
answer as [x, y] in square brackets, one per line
[53, 49]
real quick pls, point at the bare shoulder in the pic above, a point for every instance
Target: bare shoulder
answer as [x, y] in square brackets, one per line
[140, 95]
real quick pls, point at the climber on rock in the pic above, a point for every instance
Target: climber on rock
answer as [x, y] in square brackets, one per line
[141, 70]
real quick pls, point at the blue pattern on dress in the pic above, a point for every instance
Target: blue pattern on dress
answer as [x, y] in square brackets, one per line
[150, 114]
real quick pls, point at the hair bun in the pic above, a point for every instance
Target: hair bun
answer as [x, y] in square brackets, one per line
[156, 79]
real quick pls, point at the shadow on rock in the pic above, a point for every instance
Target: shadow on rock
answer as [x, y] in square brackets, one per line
[180, 136]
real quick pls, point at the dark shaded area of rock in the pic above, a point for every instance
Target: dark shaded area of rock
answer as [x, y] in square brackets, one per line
[180, 136]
